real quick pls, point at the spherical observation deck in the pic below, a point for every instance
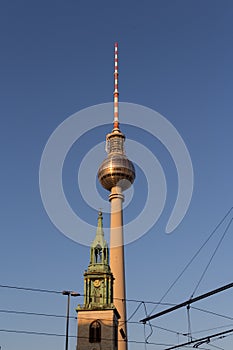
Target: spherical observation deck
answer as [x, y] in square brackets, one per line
[116, 170]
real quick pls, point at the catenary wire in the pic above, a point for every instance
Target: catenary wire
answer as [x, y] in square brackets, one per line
[193, 257]
[151, 329]
[71, 317]
[70, 336]
[30, 289]
[128, 321]
[213, 313]
[212, 256]
[53, 334]
[219, 335]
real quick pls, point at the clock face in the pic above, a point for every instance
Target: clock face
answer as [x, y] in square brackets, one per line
[96, 283]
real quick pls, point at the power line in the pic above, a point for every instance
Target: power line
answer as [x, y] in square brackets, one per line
[29, 313]
[213, 313]
[193, 257]
[30, 289]
[210, 329]
[212, 256]
[34, 313]
[185, 334]
[73, 317]
[62, 316]
[188, 302]
[34, 333]
[70, 336]
[202, 340]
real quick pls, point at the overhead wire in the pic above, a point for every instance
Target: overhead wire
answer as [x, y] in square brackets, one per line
[212, 256]
[26, 332]
[34, 313]
[185, 334]
[203, 339]
[31, 289]
[73, 317]
[211, 329]
[213, 313]
[70, 336]
[29, 313]
[146, 342]
[193, 258]
[146, 337]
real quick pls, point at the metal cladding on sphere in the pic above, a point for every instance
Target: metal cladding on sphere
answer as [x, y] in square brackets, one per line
[116, 169]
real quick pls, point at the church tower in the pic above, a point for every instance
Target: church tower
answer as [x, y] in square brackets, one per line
[98, 317]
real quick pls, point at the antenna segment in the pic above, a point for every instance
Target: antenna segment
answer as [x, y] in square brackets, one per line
[116, 93]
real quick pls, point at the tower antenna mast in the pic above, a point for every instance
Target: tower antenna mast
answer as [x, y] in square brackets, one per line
[116, 92]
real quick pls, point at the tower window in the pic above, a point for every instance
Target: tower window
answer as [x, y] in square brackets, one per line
[98, 254]
[95, 332]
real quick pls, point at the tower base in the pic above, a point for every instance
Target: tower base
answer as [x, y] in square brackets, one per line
[97, 329]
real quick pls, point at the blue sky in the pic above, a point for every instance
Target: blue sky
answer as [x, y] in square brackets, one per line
[56, 59]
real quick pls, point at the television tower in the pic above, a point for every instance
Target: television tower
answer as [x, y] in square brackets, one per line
[116, 174]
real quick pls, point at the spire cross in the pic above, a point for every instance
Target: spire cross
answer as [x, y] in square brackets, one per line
[116, 93]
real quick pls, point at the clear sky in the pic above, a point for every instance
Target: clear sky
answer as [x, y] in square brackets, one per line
[56, 59]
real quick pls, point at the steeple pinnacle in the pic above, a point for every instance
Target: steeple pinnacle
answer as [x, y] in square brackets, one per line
[99, 255]
[99, 231]
[116, 92]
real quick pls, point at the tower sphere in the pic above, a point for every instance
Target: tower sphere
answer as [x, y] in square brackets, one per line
[116, 169]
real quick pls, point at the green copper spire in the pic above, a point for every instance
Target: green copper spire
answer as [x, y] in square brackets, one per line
[99, 254]
[98, 279]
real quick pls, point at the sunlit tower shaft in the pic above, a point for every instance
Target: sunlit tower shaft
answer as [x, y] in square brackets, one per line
[116, 174]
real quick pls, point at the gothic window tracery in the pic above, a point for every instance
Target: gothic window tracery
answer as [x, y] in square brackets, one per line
[95, 332]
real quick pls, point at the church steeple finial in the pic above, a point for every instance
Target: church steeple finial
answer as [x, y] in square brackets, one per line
[99, 231]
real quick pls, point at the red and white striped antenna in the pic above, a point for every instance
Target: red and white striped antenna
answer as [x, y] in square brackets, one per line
[116, 92]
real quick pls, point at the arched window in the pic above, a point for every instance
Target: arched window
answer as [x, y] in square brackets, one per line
[98, 254]
[95, 332]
